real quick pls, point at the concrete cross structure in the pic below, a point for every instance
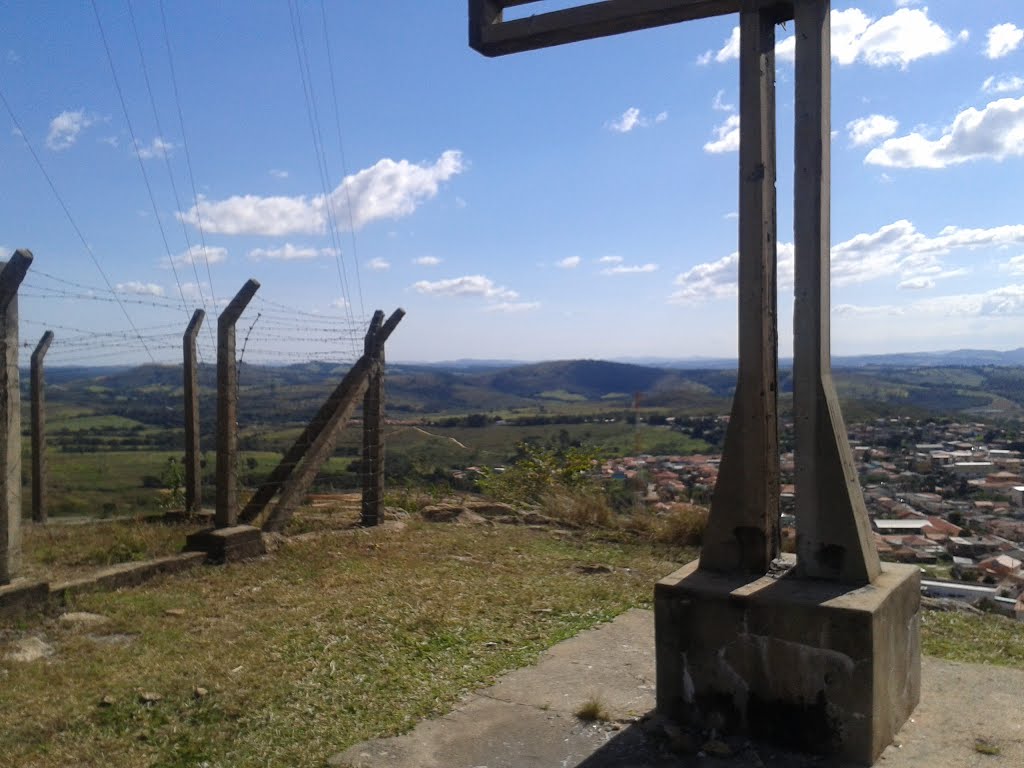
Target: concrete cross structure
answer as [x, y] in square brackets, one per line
[823, 652]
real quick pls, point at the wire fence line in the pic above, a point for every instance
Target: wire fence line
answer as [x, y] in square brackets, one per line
[274, 333]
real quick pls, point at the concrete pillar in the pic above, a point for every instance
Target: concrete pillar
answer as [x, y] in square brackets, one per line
[743, 529]
[833, 531]
[11, 275]
[193, 471]
[226, 514]
[38, 385]
[373, 438]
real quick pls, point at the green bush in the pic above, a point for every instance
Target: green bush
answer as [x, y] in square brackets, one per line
[537, 471]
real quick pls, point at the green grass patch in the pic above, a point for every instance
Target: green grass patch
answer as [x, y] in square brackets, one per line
[988, 639]
[64, 551]
[563, 395]
[331, 641]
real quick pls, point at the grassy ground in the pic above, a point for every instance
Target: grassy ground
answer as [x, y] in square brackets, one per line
[991, 639]
[338, 637]
[64, 551]
[332, 640]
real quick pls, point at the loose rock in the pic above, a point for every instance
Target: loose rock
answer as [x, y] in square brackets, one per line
[77, 619]
[29, 649]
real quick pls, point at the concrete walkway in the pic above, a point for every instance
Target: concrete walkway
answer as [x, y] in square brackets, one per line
[527, 719]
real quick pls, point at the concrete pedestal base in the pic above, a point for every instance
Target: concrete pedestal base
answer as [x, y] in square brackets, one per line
[238, 542]
[811, 665]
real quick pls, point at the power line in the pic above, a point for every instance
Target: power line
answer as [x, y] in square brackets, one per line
[305, 74]
[341, 151]
[188, 154]
[70, 218]
[167, 157]
[138, 155]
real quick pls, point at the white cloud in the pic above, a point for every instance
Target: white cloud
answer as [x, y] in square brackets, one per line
[1014, 266]
[610, 260]
[1003, 39]
[65, 127]
[719, 104]
[195, 254]
[994, 132]
[661, 117]
[998, 302]
[157, 148]
[712, 280]
[197, 292]
[278, 174]
[340, 303]
[867, 130]
[386, 190]
[895, 249]
[731, 215]
[569, 262]
[469, 285]
[917, 283]
[510, 307]
[1005, 84]
[894, 40]
[427, 261]
[141, 289]
[289, 252]
[630, 269]
[378, 264]
[730, 50]
[728, 137]
[630, 119]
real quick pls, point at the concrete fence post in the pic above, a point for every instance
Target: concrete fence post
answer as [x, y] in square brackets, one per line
[11, 276]
[373, 444]
[226, 514]
[193, 473]
[38, 386]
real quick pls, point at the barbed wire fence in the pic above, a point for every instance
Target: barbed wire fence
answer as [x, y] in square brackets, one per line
[273, 335]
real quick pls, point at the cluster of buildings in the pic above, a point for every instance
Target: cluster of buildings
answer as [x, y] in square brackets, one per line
[953, 504]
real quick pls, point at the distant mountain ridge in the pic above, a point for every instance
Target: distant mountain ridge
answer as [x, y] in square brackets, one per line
[894, 359]
[956, 357]
[964, 381]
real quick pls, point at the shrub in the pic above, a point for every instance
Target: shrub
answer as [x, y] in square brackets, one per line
[582, 507]
[537, 472]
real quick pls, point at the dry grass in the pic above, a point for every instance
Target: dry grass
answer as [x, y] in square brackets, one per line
[580, 508]
[682, 525]
[335, 639]
[67, 550]
[592, 710]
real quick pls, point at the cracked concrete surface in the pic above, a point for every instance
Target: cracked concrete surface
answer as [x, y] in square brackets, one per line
[527, 720]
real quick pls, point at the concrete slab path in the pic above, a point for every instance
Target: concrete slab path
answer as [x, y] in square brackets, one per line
[527, 720]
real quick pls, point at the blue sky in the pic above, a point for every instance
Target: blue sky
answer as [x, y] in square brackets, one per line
[563, 203]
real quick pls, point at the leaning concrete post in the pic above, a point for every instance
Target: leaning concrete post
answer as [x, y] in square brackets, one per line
[373, 442]
[833, 531]
[39, 430]
[227, 407]
[743, 527]
[321, 447]
[10, 417]
[193, 474]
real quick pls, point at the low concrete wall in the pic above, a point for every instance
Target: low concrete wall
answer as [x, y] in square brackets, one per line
[25, 596]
